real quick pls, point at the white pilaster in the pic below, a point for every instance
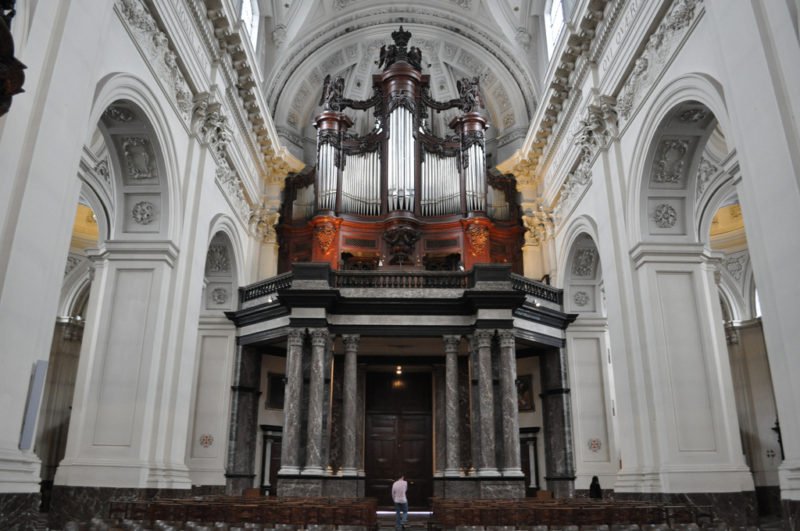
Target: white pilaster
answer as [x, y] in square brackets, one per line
[698, 448]
[120, 387]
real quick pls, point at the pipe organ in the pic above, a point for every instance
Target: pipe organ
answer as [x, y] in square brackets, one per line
[399, 195]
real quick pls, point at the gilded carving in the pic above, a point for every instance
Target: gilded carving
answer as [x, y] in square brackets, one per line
[325, 233]
[478, 236]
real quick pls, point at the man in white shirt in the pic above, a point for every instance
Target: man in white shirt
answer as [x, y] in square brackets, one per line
[399, 488]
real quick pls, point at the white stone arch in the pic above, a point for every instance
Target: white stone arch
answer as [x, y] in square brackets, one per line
[221, 280]
[152, 123]
[693, 89]
[581, 271]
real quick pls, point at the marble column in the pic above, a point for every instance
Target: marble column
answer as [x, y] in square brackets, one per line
[316, 399]
[452, 429]
[350, 461]
[508, 392]
[559, 464]
[487, 465]
[290, 447]
[241, 471]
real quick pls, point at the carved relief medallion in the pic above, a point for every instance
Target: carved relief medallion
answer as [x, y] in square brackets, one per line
[665, 216]
[143, 212]
[138, 160]
[581, 298]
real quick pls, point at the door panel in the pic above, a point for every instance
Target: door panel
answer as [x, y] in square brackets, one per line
[399, 436]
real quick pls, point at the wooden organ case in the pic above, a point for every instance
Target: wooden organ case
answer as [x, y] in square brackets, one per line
[400, 197]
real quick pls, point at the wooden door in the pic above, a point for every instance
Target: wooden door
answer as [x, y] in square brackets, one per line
[398, 436]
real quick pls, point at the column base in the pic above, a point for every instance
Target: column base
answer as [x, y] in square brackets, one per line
[19, 472]
[121, 474]
[312, 471]
[289, 471]
[488, 473]
[452, 473]
[349, 472]
[18, 509]
[513, 473]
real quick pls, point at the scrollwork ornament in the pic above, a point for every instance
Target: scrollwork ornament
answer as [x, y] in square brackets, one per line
[665, 216]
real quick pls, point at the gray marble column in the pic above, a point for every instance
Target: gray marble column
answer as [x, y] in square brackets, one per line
[290, 446]
[488, 464]
[452, 429]
[316, 399]
[349, 448]
[240, 470]
[557, 420]
[509, 406]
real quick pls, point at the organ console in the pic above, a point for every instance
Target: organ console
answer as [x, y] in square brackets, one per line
[399, 196]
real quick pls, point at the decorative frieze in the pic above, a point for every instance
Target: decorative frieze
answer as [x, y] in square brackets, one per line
[325, 233]
[232, 187]
[156, 46]
[119, 113]
[736, 264]
[73, 260]
[651, 61]
[478, 236]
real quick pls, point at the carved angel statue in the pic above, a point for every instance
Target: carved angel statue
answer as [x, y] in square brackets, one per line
[470, 94]
[539, 224]
[415, 56]
[332, 93]
[262, 221]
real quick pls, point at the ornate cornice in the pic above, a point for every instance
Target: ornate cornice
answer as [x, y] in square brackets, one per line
[247, 105]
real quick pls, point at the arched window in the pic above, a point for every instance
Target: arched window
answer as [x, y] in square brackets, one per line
[553, 24]
[249, 16]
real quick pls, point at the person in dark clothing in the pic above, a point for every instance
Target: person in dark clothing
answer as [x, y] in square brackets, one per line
[595, 491]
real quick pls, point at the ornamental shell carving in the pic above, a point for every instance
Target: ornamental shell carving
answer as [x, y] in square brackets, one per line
[665, 216]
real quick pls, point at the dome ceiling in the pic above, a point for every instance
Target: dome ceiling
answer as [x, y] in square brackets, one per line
[495, 40]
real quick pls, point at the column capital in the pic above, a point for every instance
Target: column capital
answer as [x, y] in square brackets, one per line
[296, 336]
[506, 338]
[351, 342]
[484, 338]
[451, 343]
[319, 337]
